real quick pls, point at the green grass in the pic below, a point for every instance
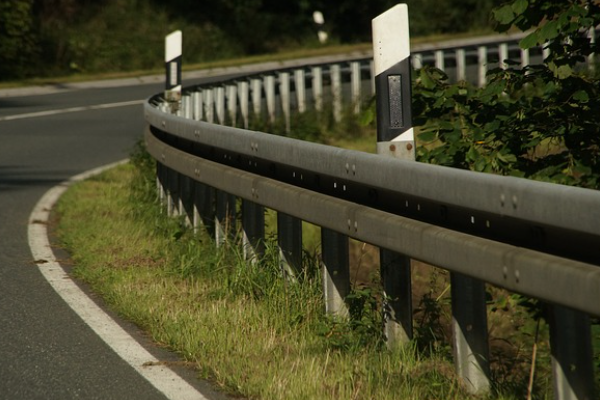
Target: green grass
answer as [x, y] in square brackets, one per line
[240, 325]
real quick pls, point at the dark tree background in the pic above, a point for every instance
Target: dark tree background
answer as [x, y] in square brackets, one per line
[57, 37]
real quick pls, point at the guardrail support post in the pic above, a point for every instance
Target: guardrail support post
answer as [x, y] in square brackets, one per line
[571, 348]
[591, 58]
[172, 192]
[220, 105]
[253, 227]
[204, 207]
[482, 66]
[355, 76]
[270, 96]
[187, 200]
[317, 88]
[300, 84]
[161, 183]
[209, 103]
[391, 49]
[524, 58]
[256, 96]
[461, 65]
[284, 93]
[243, 94]
[335, 72]
[439, 60]
[232, 104]
[336, 271]
[289, 239]
[502, 55]
[469, 329]
[224, 217]
[197, 105]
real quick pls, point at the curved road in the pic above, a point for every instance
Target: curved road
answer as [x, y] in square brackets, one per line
[46, 137]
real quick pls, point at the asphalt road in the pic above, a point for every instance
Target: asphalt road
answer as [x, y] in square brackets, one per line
[48, 135]
[46, 350]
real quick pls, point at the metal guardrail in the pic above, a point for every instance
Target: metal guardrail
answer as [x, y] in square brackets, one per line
[529, 237]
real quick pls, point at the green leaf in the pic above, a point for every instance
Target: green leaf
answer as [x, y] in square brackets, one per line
[530, 40]
[507, 158]
[504, 15]
[426, 79]
[519, 6]
[427, 136]
[549, 31]
[581, 95]
[562, 72]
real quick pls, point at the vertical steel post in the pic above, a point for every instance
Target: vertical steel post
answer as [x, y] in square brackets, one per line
[469, 329]
[335, 72]
[439, 60]
[256, 96]
[481, 66]
[243, 94]
[232, 104]
[289, 240]
[220, 105]
[524, 58]
[172, 192]
[224, 217]
[160, 183]
[336, 271]
[461, 65]
[204, 208]
[300, 83]
[502, 55]
[253, 229]
[571, 349]
[417, 61]
[186, 106]
[391, 50]
[209, 103]
[317, 88]
[591, 58]
[198, 106]
[187, 200]
[270, 96]
[284, 93]
[355, 75]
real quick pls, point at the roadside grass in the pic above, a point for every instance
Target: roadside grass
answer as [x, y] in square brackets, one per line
[243, 327]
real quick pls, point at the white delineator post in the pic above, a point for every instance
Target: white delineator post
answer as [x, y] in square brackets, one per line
[395, 137]
[319, 21]
[391, 56]
[173, 46]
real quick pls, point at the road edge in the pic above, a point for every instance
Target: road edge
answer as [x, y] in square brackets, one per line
[124, 345]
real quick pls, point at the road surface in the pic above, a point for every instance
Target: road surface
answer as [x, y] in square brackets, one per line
[47, 136]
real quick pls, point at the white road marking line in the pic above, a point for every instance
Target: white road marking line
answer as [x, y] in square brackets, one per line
[70, 110]
[160, 376]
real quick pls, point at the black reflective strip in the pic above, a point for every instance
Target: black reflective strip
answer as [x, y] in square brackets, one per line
[173, 71]
[394, 115]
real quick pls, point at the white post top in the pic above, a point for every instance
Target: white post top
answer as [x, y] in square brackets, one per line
[318, 18]
[173, 45]
[391, 39]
